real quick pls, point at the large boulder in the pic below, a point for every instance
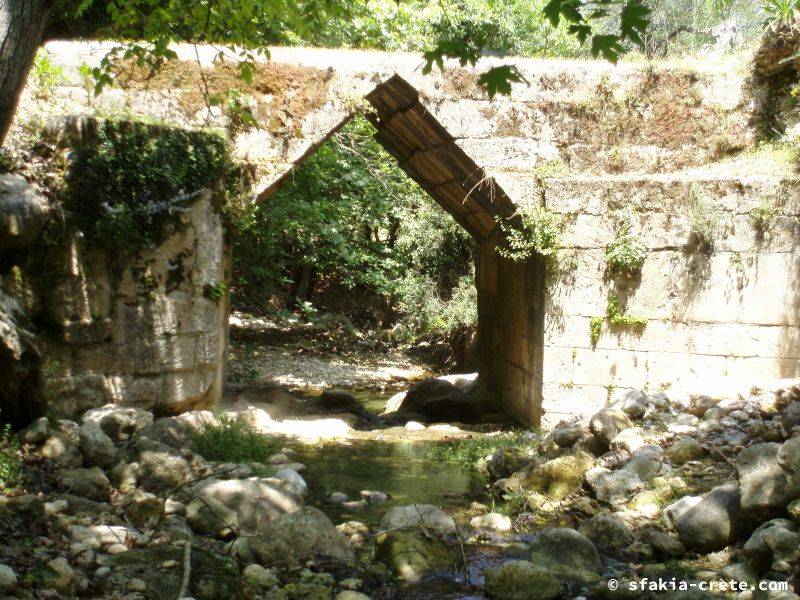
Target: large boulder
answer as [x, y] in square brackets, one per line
[292, 539]
[23, 213]
[645, 462]
[521, 580]
[762, 482]
[613, 487]
[161, 467]
[247, 504]
[790, 417]
[608, 532]
[608, 423]
[426, 516]
[21, 396]
[789, 460]
[86, 483]
[506, 461]
[775, 545]
[633, 403]
[714, 522]
[683, 450]
[117, 422]
[97, 447]
[439, 400]
[412, 553]
[556, 479]
[562, 548]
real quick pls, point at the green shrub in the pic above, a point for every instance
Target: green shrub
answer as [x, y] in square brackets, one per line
[10, 459]
[215, 291]
[128, 182]
[234, 441]
[539, 232]
[618, 319]
[705, 217]
[595, 328]
[44, 75]
[627, 253]
[763, 216]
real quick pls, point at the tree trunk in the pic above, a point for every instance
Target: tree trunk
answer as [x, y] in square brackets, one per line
[21, 26]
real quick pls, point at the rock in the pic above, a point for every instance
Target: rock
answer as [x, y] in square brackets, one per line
[59, 576]
[663, 544]
[789, 460]
[700, 404]
[61, 452]
[634, 404]
[684, 450]
[790, 417]
[374, 496]
[261, 577]
[608, 423]
[35, 432]
[612, 487]
[249, 504]
[161, 467]
[412, 553]
[136, 585]
[521, 580]
[713, 523]
[415, 515]
[97, 447]
[675, 510]
[739, 572]
[8, 578]
[339, 400]
[555, 478]
[292, 539]
[645, 462]
[338, 497]
[608, 532]
[793, 510]
[775, 545]
[176, 431]
[629, 440]
[124, 476]
[762, 482]
[506, 461]
[563, 547]
[297, 485]
[23, 213]
[143, 509]
[28, 505]
[118, 423]
[565, 435]
[88, 483]
[439, 400]
[493, 521]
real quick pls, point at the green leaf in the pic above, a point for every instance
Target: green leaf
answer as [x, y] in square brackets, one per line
[552, 11]
[634, 21]
[608, 46]
[498, 80]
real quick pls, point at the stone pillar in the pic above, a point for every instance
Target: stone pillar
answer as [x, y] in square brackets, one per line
[510, 333]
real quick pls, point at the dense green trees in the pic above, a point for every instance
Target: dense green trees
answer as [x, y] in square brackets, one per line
[349, 217]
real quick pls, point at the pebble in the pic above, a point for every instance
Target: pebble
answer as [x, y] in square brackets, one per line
[338, 497]
[414, 426]
[136, 585]
[102, 572]
[117, 549]
[168, 564]
[8, 578]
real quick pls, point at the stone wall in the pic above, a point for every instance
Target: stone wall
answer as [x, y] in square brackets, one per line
[141, 333]
[586, 139]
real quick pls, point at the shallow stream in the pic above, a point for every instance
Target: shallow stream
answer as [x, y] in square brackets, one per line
[409, 473]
